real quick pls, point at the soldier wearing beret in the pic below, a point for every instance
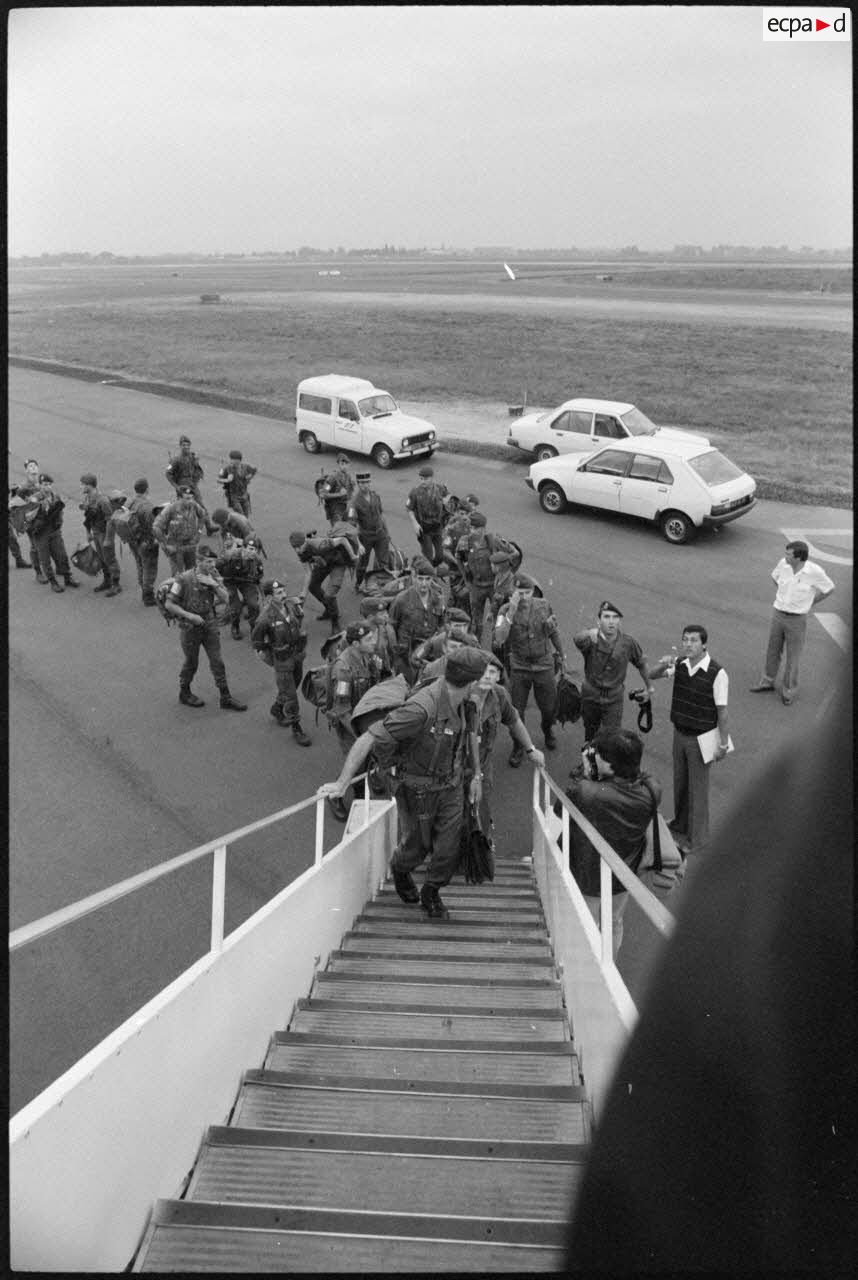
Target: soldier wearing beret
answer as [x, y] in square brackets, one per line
[365, 512]
[474, 552]
[335, 489]
[492, 707]
[454, 633]
[193, 599]
[353, 672]
[44, 524]
[607, 653]
[416, 614]
[374, 610]
[279, 638]
[326, 560]
[97, 510]
[529, 628]
[235, 477]
[185, 470]
[425, 507]
[433, 746]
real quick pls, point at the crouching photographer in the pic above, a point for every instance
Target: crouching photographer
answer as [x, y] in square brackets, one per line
[613, 794]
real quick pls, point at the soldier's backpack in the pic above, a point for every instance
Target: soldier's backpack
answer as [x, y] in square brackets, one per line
[184, 525]
[317, 688]
[428, 504]
[161, 592]
[128, 526]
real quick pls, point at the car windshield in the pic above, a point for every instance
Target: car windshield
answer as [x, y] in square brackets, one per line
[377, 406]
[637, 423]
[713, 468]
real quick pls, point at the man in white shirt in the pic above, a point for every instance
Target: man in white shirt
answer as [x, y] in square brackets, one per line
[801, 583]
[698, 706]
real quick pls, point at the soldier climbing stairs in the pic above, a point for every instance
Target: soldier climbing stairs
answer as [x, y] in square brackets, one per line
[423, 1111]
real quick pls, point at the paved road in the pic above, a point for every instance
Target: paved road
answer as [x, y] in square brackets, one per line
[109, 774]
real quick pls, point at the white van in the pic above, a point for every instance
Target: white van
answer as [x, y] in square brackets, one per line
[350, 413]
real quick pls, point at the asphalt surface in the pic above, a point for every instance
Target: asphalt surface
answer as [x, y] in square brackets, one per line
[110, 774]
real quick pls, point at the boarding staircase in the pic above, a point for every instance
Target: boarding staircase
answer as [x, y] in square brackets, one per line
[422, 1111]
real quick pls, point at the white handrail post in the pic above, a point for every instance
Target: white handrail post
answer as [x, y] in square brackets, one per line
[320, 830]
[606, 915]
[218, 896]
[366, 799]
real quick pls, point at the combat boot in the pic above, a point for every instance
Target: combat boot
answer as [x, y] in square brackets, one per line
[149, 599]
[105, 585]
[277, 712]
[299, 735]
[550, 739]
[189, 699]
[70, 581]
[229, 703]
[55, 586]
[430, 901]
[114, 590]
[235, 629]
[41, 578]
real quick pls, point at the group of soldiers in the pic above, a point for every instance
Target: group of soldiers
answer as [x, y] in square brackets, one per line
[409, 681]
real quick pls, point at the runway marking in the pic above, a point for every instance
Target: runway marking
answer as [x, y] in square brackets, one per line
[836, 628]
[807, 534]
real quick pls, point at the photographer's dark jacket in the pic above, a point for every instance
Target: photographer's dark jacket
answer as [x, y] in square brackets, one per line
[621, 810]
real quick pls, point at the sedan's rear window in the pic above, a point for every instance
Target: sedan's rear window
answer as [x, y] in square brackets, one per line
[713, 468]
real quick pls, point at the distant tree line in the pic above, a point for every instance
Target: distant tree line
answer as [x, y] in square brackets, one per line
[309, 253]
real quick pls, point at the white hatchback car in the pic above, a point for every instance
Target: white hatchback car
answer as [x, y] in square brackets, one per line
[680, 485]
[578, 426]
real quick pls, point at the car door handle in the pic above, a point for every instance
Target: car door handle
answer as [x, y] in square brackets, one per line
[616, 482]
[662, 488]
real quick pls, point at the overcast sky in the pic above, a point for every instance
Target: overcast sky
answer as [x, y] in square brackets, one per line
[148, 130]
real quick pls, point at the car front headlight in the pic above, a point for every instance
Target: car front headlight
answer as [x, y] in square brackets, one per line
[405, 443]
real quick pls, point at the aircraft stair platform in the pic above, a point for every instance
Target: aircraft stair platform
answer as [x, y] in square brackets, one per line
[423, 1110]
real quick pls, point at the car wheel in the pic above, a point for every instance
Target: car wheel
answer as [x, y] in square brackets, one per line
[543, 452]
[382, 457]
[310, 443]
[552, 499]
[676, 527]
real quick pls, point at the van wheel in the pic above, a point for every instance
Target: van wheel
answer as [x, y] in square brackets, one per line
[310, 443]
[552, 499]
[382, 457]
[543, 452]
[676, 527]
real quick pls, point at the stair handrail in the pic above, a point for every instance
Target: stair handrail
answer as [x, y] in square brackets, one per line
[40, 928]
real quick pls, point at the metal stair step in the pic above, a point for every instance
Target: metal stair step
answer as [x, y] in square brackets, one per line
[289, 1051]
[457, 929]
[266, 1102]
[405, 1025]
[184, 1236]
[485, 995]
[512, 893]
[422, 942]
[461, 968]
[302, 1170]
[517, 918]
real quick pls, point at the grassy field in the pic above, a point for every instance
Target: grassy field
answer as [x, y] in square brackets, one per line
[772, 388]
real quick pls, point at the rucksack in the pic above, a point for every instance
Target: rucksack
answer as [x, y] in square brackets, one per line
[128, 525]
[162, 590]
[184, 525]
[479, 561]
[428, 504]
[317, 687]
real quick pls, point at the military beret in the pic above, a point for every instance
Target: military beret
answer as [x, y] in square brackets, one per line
[425, 471]
[236, 453]
[362, 475]
[357, 631]
[343, 457]
[44, 478]
[464, 665]
[115, 495]
[525, 582]
[477, 519]
[457, 615]
[220, 515]
[185, 488]
[184, 439]
[140, 486]
[89, 478]
[207, 552]
[422, 566]
[472, 499]
[297, 539]
[606, 604]
[370, 605]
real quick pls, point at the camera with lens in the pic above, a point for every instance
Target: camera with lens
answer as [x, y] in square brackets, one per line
[640, 696]
[589, 767]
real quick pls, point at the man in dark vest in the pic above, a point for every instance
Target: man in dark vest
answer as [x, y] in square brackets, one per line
[698, 706]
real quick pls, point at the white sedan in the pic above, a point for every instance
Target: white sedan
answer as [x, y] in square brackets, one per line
[679, 485]
[578, 426]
